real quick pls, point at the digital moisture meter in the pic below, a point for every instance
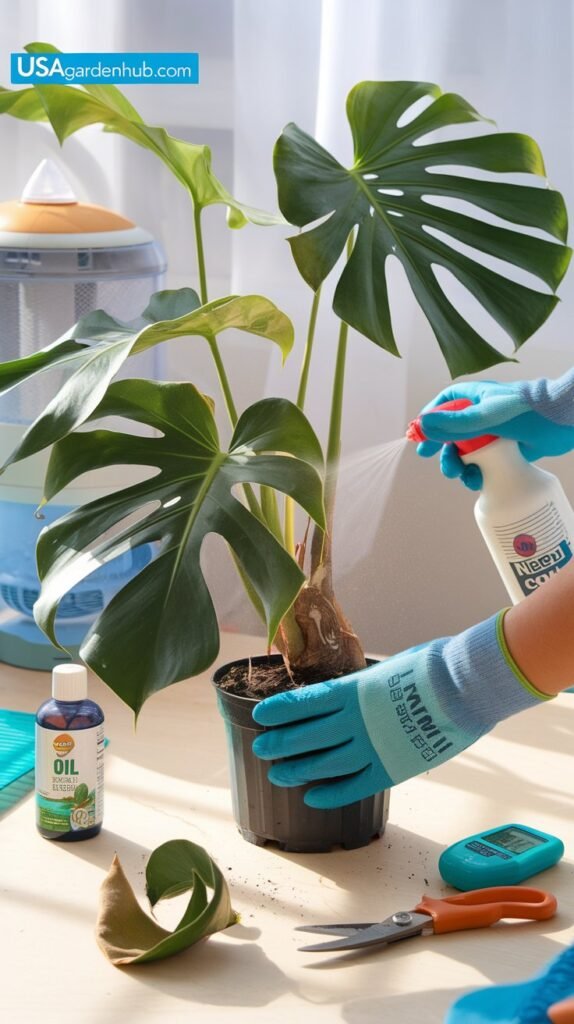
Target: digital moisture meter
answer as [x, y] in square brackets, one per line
[505, 856]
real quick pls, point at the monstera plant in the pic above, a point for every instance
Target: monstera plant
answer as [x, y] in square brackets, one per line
[428, 203]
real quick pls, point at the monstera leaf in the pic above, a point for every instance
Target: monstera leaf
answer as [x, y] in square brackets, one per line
[161, 627]
[170, 314]
[69, 108]
[399, 194]
[127, 935]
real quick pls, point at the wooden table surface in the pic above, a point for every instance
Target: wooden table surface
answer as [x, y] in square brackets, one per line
[169, 780]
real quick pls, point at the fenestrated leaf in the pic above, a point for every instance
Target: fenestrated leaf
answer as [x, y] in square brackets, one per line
[166, 610]
[169, 315]
[69, 108]
[385, 194]
[127, 935]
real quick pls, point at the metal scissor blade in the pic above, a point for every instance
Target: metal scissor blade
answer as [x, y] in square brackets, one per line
[374, 935]
[334, 929]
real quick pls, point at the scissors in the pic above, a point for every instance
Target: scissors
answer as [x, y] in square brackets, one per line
[478, 908]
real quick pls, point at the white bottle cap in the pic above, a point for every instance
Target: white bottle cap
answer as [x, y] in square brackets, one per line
[48, 184]
[69, 682]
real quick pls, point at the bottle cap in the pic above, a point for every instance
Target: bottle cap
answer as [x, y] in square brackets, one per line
[69, 682]
[472, 444]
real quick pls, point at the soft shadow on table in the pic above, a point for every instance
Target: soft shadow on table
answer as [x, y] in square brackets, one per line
[555, 725]
[408, 1008]
[482, 777]
[60, 908]
[101, 850]
[251, 978]
[417, 855]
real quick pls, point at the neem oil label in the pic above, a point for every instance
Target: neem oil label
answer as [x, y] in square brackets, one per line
[69, 778]
[536, 546]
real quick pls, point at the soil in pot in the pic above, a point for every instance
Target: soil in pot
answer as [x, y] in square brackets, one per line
[274, 814]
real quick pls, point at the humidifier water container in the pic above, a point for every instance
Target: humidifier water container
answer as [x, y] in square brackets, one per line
[59, 259]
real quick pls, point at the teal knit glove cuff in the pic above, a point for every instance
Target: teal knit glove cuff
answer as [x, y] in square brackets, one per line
[465, 685]
[553, 399]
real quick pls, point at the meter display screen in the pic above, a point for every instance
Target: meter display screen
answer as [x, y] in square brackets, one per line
[515, 840]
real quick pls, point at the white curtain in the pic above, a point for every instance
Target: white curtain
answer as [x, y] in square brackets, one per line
[410, 561]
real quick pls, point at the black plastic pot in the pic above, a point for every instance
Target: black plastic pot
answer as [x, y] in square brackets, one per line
[274, 814]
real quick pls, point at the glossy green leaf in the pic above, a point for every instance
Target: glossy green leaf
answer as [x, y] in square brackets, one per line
[166, 611]
[390, 195]
[169, 315]
[71, 107]
[60, 354]
[127, 935]
[24, 104]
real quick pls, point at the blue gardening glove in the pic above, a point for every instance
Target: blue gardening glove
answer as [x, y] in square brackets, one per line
[367, 731]
[539, 415]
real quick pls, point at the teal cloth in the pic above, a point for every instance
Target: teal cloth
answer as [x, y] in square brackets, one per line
[16, 745]
[17, 754]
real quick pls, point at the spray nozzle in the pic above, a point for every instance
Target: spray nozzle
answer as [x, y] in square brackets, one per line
[415, 433]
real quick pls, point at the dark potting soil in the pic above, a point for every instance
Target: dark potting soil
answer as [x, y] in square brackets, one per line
[256, 681]
[263, 680]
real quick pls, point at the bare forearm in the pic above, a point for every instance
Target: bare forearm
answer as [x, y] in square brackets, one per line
[540, 633]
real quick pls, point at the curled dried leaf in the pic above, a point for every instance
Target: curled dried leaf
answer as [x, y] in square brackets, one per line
[127, 935]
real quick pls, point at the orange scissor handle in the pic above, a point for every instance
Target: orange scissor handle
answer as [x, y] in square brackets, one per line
[562, 1013]
[482, 907]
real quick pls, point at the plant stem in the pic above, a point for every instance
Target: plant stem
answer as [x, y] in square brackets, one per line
[224, 382]
[301, 395]
[334, 442]
[308, 350]
[211, 341]
[322, 541]
[200, 255]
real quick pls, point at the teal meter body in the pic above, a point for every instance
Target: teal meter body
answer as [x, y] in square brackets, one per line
[502, 856]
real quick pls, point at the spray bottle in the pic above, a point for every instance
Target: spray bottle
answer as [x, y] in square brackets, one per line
[523, 513]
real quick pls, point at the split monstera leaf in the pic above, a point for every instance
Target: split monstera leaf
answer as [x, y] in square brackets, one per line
[403, 196]
[166, 611]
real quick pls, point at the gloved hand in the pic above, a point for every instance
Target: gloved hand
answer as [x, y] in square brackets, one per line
[539, 415]
[367, 731]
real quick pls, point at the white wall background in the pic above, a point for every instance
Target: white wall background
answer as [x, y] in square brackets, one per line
[426, 571]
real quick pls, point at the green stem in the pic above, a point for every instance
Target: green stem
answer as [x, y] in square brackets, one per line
[223, 381]
[301, 395]
[334, 442]
[321, 542]
[308, 350]
[200, 255]
[211, 341]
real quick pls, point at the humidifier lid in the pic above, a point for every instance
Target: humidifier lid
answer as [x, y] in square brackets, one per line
[48, 215]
